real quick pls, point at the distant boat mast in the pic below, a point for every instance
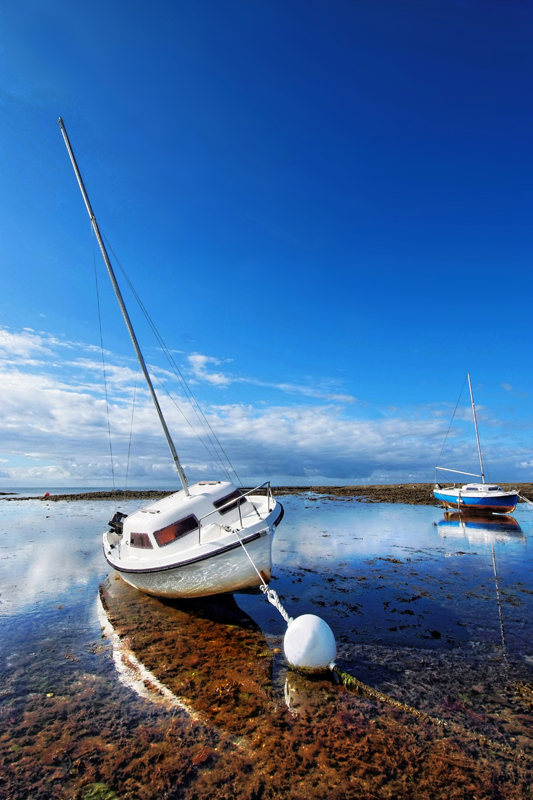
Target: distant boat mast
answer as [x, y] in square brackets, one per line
[127, 320]
[475, 425]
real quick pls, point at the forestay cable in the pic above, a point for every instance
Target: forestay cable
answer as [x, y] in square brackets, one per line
[208, 430]
[449, 426]
[103, 364]
[131, 431]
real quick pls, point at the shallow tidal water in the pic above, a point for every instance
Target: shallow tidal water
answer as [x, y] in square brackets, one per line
[108, 693]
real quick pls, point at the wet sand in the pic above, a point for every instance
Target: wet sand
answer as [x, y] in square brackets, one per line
[419, 494]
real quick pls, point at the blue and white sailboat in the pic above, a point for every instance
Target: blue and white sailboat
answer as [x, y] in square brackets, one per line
[476, 497]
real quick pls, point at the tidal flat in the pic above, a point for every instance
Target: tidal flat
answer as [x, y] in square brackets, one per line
[108, 693]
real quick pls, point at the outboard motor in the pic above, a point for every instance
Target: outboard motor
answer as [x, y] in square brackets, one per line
[116, 522]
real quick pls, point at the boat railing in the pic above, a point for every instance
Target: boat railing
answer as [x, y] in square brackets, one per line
[238, 501]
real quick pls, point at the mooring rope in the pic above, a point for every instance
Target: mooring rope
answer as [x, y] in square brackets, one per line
[272, 597]
[270, 594]
[362, 689]
[358, 687]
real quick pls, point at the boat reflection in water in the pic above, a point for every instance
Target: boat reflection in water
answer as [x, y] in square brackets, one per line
[480, 529]
[206, 657]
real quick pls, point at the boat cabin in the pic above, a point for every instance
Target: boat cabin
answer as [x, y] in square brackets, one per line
[210, 506]
[481, 487]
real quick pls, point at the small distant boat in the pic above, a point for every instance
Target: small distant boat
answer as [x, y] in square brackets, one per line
[206, 539]
[476, 497]
[480, 497]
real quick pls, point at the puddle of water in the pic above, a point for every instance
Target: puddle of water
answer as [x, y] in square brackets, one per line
[202, 703]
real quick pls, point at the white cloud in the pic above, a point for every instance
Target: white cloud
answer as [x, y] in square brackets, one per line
[54, 428]
[512, 390]
[22, 345]
[199, 363]
[307, 391]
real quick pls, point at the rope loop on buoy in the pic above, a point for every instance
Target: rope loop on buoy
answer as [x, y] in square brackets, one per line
[272, 597]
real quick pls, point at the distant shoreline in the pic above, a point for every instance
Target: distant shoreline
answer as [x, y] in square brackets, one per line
[420, 494]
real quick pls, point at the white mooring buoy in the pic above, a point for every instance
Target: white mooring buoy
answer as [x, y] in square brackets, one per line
[309, 644]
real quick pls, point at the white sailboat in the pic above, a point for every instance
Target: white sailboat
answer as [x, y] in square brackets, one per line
[205, 539]
[475, 497]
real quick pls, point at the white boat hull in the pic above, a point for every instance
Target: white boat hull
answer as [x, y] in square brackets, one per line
[213, 540]
[225, 569]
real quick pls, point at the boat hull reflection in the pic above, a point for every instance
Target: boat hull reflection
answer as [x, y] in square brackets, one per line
[479, 529]
[208, 655]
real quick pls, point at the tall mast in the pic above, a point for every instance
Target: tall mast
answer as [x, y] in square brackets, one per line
[118, 294]
[475, 424]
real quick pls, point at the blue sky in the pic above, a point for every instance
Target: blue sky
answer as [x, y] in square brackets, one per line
[325, 207]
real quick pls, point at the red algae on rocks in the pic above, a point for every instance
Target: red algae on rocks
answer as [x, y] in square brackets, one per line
[246, 740]
[242, 739]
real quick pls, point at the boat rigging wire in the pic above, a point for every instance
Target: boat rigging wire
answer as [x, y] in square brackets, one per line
[103, 365]
[213, 454]
[131, 431]
[202, 419]
[449, 428]
[475, 426]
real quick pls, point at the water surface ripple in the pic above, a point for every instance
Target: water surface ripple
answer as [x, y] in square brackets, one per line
[108, 693]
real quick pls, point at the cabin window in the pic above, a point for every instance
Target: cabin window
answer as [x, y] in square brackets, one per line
[493, 488]
[141, 540]
[471, 488]
[233, 496]
[175, 531]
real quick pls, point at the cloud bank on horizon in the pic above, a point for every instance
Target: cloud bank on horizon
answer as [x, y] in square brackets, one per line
[55, 425]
